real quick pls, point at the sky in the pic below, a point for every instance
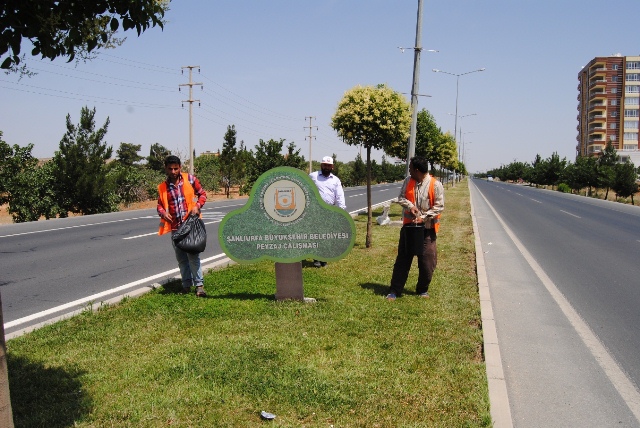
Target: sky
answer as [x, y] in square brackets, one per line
[267, 66]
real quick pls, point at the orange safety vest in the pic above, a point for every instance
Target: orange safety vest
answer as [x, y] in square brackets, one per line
[410, 194]
[189, 196]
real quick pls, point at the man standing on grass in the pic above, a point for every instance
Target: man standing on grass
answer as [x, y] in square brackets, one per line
[422, 200]
[330, 189]
[179, 196]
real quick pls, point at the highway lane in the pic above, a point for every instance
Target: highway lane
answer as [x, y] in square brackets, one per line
[48, 264]
[588, 248]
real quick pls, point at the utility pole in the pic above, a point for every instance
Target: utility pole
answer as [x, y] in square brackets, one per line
[190, 101]
[414, 88]
[311, 137]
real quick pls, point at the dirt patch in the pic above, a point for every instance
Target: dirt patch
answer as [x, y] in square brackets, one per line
[5, 217]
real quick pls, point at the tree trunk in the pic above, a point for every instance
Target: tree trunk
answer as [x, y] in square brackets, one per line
[369, 214]
[6, 416]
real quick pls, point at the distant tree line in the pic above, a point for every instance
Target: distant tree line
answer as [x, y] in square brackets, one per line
[587, 172]
[84, 178]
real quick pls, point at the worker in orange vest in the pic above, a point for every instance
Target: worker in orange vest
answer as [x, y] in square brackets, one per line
[180, 195]
[422, 200]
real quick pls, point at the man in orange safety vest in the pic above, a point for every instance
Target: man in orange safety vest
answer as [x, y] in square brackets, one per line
[422, 199]
[179, 196]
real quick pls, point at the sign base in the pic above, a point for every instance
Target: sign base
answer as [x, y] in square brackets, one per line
[289, 281]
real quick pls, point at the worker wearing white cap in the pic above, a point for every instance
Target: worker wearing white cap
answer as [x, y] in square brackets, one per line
[330, 189]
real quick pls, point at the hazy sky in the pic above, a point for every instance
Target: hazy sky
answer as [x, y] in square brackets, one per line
[266, 65]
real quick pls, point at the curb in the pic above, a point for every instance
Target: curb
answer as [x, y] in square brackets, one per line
[498, 397]
[114, 300]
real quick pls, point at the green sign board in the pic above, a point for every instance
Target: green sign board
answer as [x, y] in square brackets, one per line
[286, 220]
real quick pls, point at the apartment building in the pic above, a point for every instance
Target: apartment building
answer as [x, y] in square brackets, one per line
[609, 106]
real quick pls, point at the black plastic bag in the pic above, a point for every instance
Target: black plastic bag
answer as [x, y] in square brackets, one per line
[191, 236]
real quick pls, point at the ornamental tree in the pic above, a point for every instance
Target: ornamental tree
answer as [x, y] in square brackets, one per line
[374, 117]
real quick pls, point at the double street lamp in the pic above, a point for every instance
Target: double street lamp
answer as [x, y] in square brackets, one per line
[435, 70]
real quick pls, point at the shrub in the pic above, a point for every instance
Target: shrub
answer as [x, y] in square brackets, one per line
[564, 188]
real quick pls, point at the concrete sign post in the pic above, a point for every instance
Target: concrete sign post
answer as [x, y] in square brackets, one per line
[286, 220]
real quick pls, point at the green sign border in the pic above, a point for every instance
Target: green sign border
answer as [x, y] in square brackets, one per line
[321, 231]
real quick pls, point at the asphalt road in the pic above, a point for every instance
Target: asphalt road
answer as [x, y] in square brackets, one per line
[49, 268]
[563, 275]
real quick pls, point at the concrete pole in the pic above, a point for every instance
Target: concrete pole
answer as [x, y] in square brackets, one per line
[191, 101]
[411, 151]
[311, 137]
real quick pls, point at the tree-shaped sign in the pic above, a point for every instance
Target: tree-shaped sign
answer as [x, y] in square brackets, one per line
[286, 220]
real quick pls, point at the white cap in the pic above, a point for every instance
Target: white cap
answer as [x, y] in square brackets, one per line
[327, 159]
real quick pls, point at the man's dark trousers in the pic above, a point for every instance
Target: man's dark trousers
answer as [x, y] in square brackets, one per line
[426, 264]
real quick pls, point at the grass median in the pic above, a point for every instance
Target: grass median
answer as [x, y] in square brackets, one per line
[352, 359]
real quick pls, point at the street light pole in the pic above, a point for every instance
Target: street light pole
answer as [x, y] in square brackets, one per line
[461, 156]
[464, 154]
[455, 130]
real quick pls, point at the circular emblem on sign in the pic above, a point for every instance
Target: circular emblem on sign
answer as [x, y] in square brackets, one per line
[284, 201]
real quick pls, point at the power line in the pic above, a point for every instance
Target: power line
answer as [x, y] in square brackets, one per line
[250, 102]
[81, 97]
[107, 83]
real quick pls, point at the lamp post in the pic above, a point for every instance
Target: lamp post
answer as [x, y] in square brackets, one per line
[464, 154]
[463, 142]
[462, 117]
[461, 155]
[435, 70]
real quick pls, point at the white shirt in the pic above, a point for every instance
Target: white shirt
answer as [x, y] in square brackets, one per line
[330, 189]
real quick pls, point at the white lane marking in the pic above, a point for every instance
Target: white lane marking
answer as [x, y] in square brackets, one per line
[140, 236]
[98, 295]
[573, 215]
[155, 233]
[612, 370]
[535, 200]
[205, 215]
[75, 227]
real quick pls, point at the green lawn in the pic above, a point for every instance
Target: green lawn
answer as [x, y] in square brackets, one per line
[353, 359]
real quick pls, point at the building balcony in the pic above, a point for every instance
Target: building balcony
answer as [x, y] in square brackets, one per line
[597, 95]
[597, 67]
[597, 106]
[593, 149]
[597, 82]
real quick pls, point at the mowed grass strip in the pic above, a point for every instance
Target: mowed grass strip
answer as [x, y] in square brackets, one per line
[352, 359]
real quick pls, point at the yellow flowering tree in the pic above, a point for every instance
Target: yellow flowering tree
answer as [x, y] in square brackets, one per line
[447, 153]
[374, 117]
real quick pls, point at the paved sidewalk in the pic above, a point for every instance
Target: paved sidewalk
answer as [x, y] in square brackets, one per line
[541, 370]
